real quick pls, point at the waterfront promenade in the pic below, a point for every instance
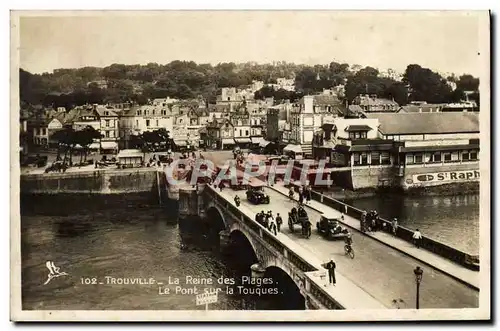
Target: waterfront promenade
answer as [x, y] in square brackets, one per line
[383, 272]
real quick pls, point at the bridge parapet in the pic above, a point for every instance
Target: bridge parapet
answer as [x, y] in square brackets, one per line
[432, 245]
[302, 266]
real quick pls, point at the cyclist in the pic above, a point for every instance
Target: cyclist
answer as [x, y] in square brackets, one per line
[348, 242]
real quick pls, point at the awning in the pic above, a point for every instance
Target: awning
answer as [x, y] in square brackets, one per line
[243, 140]
[94, 146]
[293, 148]
[257, 140]
[358, 128]
[228, 141]
[109, 145]
[180, 142]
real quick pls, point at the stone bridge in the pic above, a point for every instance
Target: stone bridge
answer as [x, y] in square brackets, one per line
[270, 255]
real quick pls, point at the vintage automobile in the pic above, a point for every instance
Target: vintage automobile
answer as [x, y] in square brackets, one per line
[330, 228]
[256, 195]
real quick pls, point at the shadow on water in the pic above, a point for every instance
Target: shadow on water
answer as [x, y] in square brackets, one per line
[130, 236]
[72, 228]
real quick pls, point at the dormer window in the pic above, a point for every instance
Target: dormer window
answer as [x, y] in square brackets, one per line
[358, 131]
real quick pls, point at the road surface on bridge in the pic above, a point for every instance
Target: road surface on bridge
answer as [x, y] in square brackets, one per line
[383, 272]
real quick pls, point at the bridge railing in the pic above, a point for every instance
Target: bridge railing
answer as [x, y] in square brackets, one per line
[300, 263]
[439, 248]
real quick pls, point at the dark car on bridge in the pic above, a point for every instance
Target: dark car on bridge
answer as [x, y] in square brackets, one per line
[256, 195]
[330, 228]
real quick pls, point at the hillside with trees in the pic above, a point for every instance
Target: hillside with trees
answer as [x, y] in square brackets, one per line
[186, 79]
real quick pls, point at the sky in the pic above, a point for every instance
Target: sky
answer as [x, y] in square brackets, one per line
[447, 42]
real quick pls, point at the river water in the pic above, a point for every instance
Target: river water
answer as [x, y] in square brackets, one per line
[453, 220]
[131, 236]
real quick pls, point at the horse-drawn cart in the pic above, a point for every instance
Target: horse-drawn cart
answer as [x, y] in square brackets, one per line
[299, 216]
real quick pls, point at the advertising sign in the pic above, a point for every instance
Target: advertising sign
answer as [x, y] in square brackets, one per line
[446, 176]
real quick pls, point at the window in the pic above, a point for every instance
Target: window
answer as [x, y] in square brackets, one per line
[385, 158]
[364, 158]
[164, 112]
[136, 122]
[447, 157]
[241, 134]
[455, 156]
[106, 133]
[465, 156]
[246, 132]
[107, 123]
[474, 155]
[418, 158]
[375, 158]
[147, 122]
[357, 135]
[138, 113]
[436, 157]
[409, 158]
[356, 158]
[157, 123]
[112, 134]
[427, 157]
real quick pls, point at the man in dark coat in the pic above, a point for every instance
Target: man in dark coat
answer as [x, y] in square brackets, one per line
[301, 198]
[279, 221]
[330, 266]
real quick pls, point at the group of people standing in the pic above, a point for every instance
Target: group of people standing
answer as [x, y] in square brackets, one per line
[370, 221]
[305, 194]
[269, 222]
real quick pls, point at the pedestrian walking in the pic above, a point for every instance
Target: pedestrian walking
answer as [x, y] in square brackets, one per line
[330, 266]
[272, 225]
[417, 238]
[301, 198]
[308, 195]
[395, 226]
[279, 221]
[221, 186]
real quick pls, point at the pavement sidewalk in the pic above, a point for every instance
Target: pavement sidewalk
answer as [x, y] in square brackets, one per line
[456, 271]
[348, 294]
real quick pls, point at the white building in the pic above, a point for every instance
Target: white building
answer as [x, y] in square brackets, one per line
[308, 116]
[144, 118]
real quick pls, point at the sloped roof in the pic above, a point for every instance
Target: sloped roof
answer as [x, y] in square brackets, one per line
[367, 100]
[421, 123]
[426, 108]
[325, 100]
[357, 128]
[101, 111]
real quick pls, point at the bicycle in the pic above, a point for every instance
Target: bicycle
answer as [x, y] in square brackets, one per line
[349, 251]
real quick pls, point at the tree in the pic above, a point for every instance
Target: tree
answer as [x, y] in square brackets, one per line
[426, 85]
[66, 139]
[85, 138]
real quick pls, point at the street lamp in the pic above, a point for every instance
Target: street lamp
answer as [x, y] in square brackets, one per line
[418, 278]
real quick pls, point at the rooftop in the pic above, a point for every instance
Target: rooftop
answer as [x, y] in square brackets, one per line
[421, 123]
